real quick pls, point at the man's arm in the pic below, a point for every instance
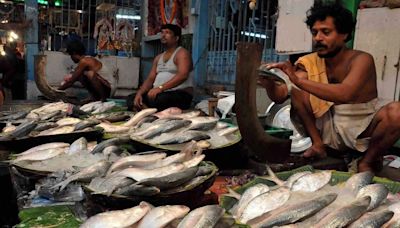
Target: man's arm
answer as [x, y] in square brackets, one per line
[83, 64]
[183, 61]
[148, 83]
[348, 90]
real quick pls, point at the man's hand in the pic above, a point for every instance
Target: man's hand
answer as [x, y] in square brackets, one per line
[152, 94]
[138, 101]
[286, 67]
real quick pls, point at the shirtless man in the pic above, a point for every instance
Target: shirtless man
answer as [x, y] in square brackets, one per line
[90, 72]
[169, 83]
[353, 118]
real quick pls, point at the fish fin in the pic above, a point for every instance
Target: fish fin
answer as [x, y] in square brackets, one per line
[231, 193]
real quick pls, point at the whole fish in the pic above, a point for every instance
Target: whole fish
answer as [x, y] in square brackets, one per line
[58, 130]
[85, 124]
[139, 174]
[167, 127]
[107, 185]
[312, 182]
[289, 182]
[136, 161]
[137, 190]
[264, 203]
[68, 121]
[147, 119]
[187, 115]
[206, 216]
[119, 218]
[14, 116]
[183, 137]
[138, 116]
[51, 115]
[45, 126]
[112, 117]
[373, 219]
[292, 213]
[110, 142]
[203, 123]
[104, 107]
[377, 192]
[168, 112]
[90, 106]
[227, 131]
[40, 155]
[46, 146]
[161, 216]
[171, 180]
[111, 128]
[248, 196]
[346, 214]
[359, 180]
[22, 130]
[95, 170]
[194, 161]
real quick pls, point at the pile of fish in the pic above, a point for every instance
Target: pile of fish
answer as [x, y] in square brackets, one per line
[306, 199]
[152, 173]
[109, 171]
[170, 126]
[147, 216]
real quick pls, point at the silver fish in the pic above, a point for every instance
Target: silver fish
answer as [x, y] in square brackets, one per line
[104, 107]
[377, 192]
[109, 142]
[171, 180]
[183, 137]
[137, 190]
[227, 131]
[187, 115]
[107, 185]
[119, 218]
[203, 123]
[40, 155]
[312, 182]
[112, 117]
[359, 180]
[202, 217]
[85, 124]
[345, 215]
[264, 203]
[167, 127]
[89, 107]
[95, 170]
[58, 130]
[292, 213]
[45, 147]
[51, 115]
[161, 216]
[45, 126]
[139, 174]
[111, 128]
[395, 221]
[247, 197]
[14, 116]
[22, 130]
[136, 161]
[372, 219]
[68, 121]
[138, 116]
[168, 112]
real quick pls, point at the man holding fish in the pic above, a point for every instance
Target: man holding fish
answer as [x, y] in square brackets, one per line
[335, 92]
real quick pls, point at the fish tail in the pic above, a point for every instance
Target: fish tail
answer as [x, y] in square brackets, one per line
[231, 193]
[272, 177]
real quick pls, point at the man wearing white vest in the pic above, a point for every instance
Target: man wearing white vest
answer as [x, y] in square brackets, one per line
[169, 83]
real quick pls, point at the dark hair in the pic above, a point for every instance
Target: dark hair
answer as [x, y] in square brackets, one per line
[342, 17]
[174, 28]
[75, 47]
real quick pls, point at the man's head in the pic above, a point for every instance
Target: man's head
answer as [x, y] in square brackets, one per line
[76, 50]
[170, 34]
[331, 26]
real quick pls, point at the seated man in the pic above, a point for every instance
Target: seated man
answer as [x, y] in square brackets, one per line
[90, 72]
[169, 83]
[337, 96]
